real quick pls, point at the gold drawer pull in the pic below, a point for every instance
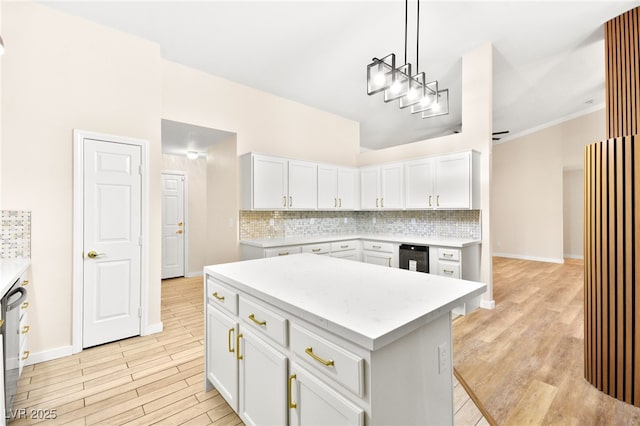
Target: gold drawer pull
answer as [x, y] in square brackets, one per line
[26, 355]
[315, 250]
[238, 356]
[1, 322]
[25, 305]
[339, 202]
[291, 403]
[345, 246]
[429, 200]
[389, 262]
[447, 254]
[326, 362]
[377, 247]
[229, 337]
[284, 253]
[25, 329]
[447, 271]
[252, 317]
[437, 200]
[25, 282]
[217, 296]
[382, 202]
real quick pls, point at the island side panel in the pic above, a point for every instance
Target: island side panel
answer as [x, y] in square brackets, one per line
[411, 380]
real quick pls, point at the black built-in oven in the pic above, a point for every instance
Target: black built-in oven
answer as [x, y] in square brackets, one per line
[414, 257]
[11, 303]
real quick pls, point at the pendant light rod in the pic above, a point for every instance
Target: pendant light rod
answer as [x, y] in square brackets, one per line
[418, 38]
[406, 23]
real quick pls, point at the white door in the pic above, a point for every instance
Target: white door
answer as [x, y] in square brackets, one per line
[172, 226]
[222, 363]
[112, 241]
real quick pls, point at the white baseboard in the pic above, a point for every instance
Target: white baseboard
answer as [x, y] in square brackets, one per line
[487, 304]
[573, 256]
[193, 274]
[154, 328]
[51, 354]
[534, 258]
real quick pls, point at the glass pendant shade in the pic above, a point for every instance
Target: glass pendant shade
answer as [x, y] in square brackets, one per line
[428, 98]
[416, 91]
[441, 107]
[400, 85]
[381, 74]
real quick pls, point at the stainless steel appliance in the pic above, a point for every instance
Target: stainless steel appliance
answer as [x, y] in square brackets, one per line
[414, 258]
[11, 303]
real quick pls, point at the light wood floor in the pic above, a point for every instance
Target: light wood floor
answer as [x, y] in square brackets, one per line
[148, 380]
[524, 359]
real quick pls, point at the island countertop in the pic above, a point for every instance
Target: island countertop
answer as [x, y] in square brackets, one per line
[369, 304]
[10, 271]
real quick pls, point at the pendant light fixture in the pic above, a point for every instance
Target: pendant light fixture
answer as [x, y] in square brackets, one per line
[398, 83]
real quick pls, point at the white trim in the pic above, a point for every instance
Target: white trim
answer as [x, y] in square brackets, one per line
[527, 257]
[574, 256]
[552, 123]
[154, 328]
[487, 304]
[51, 354]
[185, 212]
[194, 274]
[78, 230]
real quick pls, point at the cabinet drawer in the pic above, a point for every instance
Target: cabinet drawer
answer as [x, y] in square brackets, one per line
[447, 269]
[317, 248]
[281, 251]
[344, 245]
[264, 320]
[220, 295]
[328, 358]
[449, 254]
[377, 246]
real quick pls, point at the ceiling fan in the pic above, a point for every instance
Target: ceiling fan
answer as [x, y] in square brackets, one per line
[504, 132]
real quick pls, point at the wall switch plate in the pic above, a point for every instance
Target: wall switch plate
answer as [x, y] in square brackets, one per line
[443, 358]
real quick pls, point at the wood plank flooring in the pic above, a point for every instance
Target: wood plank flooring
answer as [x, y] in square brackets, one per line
[524, 359]
[157, 379]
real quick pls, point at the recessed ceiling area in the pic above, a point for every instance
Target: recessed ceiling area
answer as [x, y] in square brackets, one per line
[548, 55]
[178, 138]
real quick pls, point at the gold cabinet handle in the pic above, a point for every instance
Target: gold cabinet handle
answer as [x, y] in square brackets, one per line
[252, 317]
[1, 322]
[339, 202]
[179, 231]
[284, 253]
[382, 202]
[284, 201]
[290, 201]
[376, 202]
[447, 271]
[25, 282]
[376, 247]
[345, 246]
[25, 305]
[430, 201]
[325, 362]
[447, 254]
[93, 254]
[389, 262]
[229, 338]
[291, 403]
[25, 329]
[238, 356]
[315, 250]
[335, 202]
[438, 200]
[217, 296]
[26, 355]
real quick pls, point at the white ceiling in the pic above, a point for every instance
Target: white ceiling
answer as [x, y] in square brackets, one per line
[179, 138]
[548, 55]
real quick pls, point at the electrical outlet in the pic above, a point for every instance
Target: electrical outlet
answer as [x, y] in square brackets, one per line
[443, 358]
[346, 220]
[312, 221]
[272, 222]
[413, 220]
[373, 220]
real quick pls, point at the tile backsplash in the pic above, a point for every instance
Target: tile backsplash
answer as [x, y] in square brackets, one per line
[431, 223]
[15, 234]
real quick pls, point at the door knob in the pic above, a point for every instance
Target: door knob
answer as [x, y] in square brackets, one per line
[179, 223]
[179, 231]
[93, 254]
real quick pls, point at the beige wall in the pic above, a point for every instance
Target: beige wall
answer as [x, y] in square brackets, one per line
[196, 195]
[63, 73]
[477, 101]
[527, 202]
[573, 213]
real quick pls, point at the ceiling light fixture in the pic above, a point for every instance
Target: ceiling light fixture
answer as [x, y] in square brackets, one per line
[192, 155]
[398, 83]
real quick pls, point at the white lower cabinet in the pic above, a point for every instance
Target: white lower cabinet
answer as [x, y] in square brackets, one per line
[313, 402]
[380, 253]
[263, 382]
[222, 364]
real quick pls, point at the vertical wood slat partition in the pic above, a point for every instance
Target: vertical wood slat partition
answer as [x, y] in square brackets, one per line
[612, 267]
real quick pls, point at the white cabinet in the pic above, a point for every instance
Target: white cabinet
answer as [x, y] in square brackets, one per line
[382, 187]
[444, 182]
[273, 183]
[380, 253]
[337, 188]
[313, 402]
[281, 251]
[346, 250]
[455, 262]
[222, 365]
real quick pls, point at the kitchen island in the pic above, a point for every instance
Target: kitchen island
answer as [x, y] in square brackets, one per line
[308, 339]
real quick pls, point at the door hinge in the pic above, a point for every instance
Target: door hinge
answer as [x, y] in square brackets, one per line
[140, 312]
[140, 241]
[140, 169]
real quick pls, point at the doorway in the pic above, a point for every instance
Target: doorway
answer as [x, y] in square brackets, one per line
[174, 229]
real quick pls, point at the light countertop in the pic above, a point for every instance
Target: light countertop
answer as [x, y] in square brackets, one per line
[10, 271]
[403, 239]
[368, 304]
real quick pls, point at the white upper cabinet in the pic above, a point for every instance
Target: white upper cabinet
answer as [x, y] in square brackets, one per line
[337, 188]
[444, 182]
[303, 185]
[381, 187]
